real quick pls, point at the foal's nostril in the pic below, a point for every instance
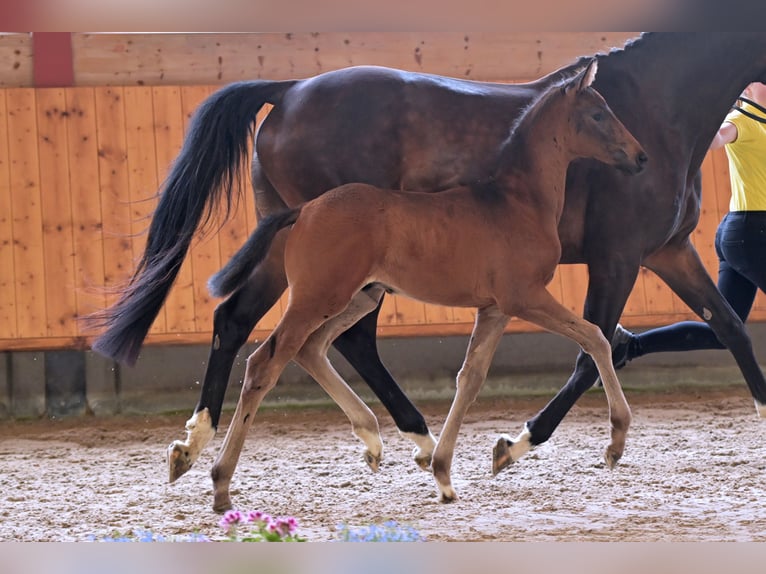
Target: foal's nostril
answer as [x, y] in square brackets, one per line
[642, 158]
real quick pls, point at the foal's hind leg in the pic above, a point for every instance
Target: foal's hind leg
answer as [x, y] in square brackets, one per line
[487, 331]
[261, 374]
[313, 358]
[549, 314]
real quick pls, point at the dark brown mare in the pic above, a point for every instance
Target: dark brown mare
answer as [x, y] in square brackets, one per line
[404, 130]
[492, 245]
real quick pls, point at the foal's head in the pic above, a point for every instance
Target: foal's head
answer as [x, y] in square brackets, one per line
[585, 125]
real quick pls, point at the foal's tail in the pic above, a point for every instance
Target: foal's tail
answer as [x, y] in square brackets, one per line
[203, 176]
[236, 272]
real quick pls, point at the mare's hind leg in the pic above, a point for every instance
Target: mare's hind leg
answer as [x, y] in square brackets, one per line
[261, 374]
[487, 331]
[313, 358]
[551, 315]
[233, 321]
[358, 346]
[680, 267]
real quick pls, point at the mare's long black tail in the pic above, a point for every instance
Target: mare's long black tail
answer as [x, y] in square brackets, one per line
[236, 272]
[203, 176]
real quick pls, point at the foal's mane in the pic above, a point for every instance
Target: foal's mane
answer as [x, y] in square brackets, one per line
[514, 147]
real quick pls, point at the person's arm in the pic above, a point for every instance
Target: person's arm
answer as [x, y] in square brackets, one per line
[727, 133]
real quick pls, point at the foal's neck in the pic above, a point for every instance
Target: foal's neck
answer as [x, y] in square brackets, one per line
[533, 165]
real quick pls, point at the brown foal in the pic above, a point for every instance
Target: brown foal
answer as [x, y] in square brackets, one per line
[492, 245]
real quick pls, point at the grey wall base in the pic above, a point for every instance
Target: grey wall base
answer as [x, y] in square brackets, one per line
[169, 378]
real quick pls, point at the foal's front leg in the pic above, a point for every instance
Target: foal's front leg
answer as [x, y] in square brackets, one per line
[487, 331]
[551, 315]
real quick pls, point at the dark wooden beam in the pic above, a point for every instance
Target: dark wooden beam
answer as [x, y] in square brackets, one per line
[52, 56]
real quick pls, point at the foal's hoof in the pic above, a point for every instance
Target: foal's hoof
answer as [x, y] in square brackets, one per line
[422, 460]
[221, 503]
[611, 457]
[501, 454]
[447, 497]
[179, 460]
[372, 461]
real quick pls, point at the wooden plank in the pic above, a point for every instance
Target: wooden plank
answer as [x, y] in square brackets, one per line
[29, 260]
[168, 133]
[574, 286]
[438, 314]
[8, 326]
[82, 149]
[710, 216]
[409, 311]
[16, 60]
[659, 297]
[143, 182]
[61, 302]
[636, 303]
[718, 177]
[214, 58]
[113, 187]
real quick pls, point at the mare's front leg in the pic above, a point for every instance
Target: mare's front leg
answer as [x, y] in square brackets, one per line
[551, 315]
[233, 322]
[487, 332]
[680, 267]
[609, 285]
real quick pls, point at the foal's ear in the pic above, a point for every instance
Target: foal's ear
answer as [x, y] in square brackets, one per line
[584, 78]
[588, 75]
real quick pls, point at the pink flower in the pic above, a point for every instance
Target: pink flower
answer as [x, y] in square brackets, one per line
[287, 525]
[230, 520]
[255, 516]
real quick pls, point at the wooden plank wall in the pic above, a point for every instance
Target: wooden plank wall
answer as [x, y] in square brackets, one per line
[79, 169]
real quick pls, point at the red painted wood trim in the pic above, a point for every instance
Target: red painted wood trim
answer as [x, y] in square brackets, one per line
[53, 62]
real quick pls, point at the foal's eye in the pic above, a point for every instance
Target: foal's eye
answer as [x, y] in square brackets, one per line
[598, 116]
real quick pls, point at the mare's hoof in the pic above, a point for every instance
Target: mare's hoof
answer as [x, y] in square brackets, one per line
[611, 458]
[760, 409]
[372, 461]
[501, 455]
[179, 460]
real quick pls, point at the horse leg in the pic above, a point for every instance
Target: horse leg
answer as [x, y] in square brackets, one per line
[358, 345]
[680, 267]
[261, 374]
[608, 290]
[313, 358]
[551, 315]
[233, 322]
[487, 331]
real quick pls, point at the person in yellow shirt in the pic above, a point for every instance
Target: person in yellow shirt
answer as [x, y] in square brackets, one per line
[740, 240]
